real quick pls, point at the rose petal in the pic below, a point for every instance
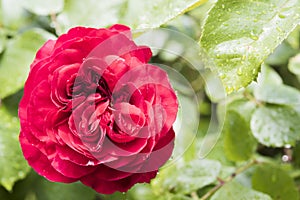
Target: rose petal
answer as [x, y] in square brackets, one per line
[44, 52]
[125, 149]
[106, 173]
[41, 163]
[61, 76]
[70, 169]
[122, 185]
[161, 152]
[66, 153]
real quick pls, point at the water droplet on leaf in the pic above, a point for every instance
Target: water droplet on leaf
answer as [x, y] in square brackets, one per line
[282, 16]
[240, 71]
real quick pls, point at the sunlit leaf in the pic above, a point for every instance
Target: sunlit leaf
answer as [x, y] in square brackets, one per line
[239, 35]
[152, 14]
[278, 94]
[16, 60]
[276, 126]
[134, 13]
[275, 182]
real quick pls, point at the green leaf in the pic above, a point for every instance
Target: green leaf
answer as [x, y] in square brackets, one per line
[278, 94]
[214, 146]
[281, 55]
[239, 144]
[235, 191]
[276, 126]
[269, 76]
[239, 35]
[270, 89]
[140, 191]
[16, 60]
[45, 7]
[294, 64]
[293, 38]
[152, 14]
[134, 13]
[12, 163]
[144, 191]
[47, 190]
[171, 196]
[2, 39]
[243, 107]
[272, 180]
[14, 16]
[187, 177]
[11, 103]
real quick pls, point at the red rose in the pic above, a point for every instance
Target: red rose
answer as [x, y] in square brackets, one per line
[93, 110]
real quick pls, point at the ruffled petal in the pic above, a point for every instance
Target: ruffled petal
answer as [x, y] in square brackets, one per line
[40, 162]
[122, 185]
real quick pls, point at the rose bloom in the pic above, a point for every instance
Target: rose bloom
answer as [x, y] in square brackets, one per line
[93, 110]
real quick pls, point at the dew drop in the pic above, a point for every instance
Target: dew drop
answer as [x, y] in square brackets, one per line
[240, 71]
[223, 6]
[229, 89]
[222, 76]
[279, 29]
[90, 163]
[282, 16]
[253, 36]
[238, 12]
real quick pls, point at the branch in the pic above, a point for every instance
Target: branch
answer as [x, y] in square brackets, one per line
[228, 179]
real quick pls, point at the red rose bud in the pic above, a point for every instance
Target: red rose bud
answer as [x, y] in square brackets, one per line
[93, 110]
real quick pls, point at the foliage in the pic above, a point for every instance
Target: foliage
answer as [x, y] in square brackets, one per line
[246, 144]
